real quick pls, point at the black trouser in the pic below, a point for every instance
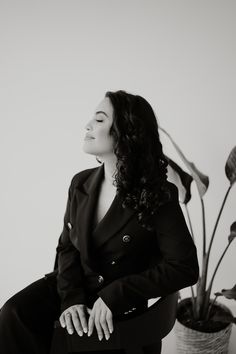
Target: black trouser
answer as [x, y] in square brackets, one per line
[27, 318]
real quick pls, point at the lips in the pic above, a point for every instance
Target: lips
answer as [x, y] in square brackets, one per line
[88, 137]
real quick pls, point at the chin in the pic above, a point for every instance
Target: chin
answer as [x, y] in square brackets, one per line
[89, 151]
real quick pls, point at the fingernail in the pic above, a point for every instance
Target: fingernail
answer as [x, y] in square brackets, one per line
[111, 330]
[100, 338]
[89, 334]
[107, 337]
[85, 330]
[80, 333]
[70, 331]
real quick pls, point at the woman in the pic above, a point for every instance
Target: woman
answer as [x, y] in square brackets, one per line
[124, 238]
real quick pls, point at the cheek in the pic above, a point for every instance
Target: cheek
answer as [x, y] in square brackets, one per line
[110, 141]
[105, 136]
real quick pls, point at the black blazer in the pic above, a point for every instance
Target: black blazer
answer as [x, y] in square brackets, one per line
[119, 260]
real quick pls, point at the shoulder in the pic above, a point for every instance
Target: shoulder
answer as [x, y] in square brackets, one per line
[170, 193]
[170, 208]
[173, 190]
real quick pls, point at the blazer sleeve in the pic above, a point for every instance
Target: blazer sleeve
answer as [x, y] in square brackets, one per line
[70, 273]
[177, 268]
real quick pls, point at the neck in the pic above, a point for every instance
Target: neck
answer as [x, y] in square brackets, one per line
[109, 171]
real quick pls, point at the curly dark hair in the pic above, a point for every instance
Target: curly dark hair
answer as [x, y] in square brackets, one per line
[141, 165]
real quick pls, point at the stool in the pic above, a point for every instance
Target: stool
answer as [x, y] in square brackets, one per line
[130, 334]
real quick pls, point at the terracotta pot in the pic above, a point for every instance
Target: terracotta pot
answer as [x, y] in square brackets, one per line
[192, 341]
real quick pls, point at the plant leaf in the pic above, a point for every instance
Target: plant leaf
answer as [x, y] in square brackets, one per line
[230, 166]
[228, 293]
[232, 234]
[181, 179]
[202, 181]
[218, 294]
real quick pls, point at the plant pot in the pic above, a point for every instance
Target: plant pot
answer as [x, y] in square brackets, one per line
[193, 341]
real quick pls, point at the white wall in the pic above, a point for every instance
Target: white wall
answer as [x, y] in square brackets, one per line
[57, 60]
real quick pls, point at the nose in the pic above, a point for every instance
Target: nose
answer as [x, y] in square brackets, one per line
[88, 126]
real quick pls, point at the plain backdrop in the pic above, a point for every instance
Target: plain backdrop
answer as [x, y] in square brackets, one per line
[58, 58]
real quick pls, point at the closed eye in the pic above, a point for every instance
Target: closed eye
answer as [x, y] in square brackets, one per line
[99, 120]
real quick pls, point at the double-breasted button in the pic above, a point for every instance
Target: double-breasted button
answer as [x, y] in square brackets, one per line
[126, 238]
[69, 225]
[100, 279]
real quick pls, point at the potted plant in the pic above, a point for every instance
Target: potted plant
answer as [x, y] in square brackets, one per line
[203, 325]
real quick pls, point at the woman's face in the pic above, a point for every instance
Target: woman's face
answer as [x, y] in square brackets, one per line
[97, 140]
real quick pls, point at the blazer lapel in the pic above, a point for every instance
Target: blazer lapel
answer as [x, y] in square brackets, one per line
[115, 218]
[85, 194]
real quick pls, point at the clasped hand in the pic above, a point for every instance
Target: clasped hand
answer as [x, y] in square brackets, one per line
[100, 316]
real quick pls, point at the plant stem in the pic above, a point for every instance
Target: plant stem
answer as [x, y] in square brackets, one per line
[189, 222]
[210, 307]
[216, 268]
[192, 289]
[216, 224]
[201, 290]
[193, 295]
[193, 303]
[202, 283]
[203, 229]
[204, 300]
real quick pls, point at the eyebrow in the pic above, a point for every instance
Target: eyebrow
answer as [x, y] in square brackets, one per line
[102, 113]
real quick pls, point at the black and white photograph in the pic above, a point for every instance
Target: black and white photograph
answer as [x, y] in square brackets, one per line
[118, 173]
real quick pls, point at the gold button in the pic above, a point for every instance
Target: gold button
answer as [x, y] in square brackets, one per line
[126, 238]
[100, 279]
[69, 225]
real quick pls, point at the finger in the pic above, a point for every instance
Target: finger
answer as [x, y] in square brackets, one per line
[69, 325]
[83, 319]
[91, 324]
[62, 320]
[89, 310]
[76, 323]
[110, 322]
[103, 323]
[98, 325]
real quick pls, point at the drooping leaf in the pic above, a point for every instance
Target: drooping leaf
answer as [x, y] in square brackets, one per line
[202, 181]
[232, 234]
[230, 166]
[181, 179]
[228, 293]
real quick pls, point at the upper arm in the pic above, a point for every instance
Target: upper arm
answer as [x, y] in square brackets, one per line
[173, 236]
